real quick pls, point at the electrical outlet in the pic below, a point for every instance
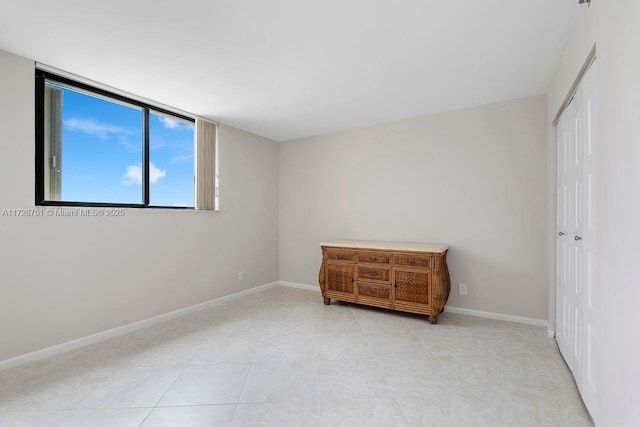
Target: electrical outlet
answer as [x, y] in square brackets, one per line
[241, 276]
[462, 289]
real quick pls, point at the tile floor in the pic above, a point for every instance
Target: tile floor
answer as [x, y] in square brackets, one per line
[281, 358]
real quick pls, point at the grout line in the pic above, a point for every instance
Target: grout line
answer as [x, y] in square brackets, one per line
[166, 391]
[315, 366]
[375, 356]
[244, 384]
[427, 349]
[145, 418]
[195, 353]
[75, 406]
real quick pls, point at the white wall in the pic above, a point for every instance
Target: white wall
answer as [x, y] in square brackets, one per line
[618, 38]
[474, 179]
[65, 278]
[613, 27]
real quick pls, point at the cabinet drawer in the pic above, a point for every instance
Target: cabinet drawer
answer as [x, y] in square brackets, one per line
[373, 273]
[341, 255]
[374, 290]
[373, 258]
[423, 261]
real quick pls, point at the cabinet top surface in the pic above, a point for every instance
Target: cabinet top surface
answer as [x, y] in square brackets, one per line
[388, 246]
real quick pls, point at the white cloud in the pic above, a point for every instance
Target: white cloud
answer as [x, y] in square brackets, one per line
[183, 158]
[182, 205]
[134, 174]
[169, 123]
[92, 127]
[156, 174]
[131, 147]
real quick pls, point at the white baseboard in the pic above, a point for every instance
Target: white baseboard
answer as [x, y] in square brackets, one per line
[122, 330]
[496, 316]
[450, 309]
[300, 286]
[551, 333]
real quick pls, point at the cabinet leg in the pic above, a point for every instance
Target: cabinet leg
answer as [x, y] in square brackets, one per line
[327, 301]
[433, 320]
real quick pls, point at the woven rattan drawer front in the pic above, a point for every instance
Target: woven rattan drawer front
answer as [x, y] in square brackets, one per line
[373, 273]
[421, 261]
[341, 255]
[374, 258]
[412, 286]
[374, 290]
[340, 277]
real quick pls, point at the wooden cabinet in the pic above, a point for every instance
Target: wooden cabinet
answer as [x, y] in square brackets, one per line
[411, 277]
[340, 277]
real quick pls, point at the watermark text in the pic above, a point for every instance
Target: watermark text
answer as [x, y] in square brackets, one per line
[62, 212]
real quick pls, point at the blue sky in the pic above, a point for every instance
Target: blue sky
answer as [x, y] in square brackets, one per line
[102, 153]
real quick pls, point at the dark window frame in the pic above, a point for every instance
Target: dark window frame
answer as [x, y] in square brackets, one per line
[41, 77]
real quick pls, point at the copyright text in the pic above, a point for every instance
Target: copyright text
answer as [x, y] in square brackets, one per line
[57, 212]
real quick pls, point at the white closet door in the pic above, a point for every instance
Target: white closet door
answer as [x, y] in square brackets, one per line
[564, 292]
[588, 386]
[576, 240]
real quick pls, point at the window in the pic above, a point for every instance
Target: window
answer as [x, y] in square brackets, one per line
[171, 160]
[96, 148]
